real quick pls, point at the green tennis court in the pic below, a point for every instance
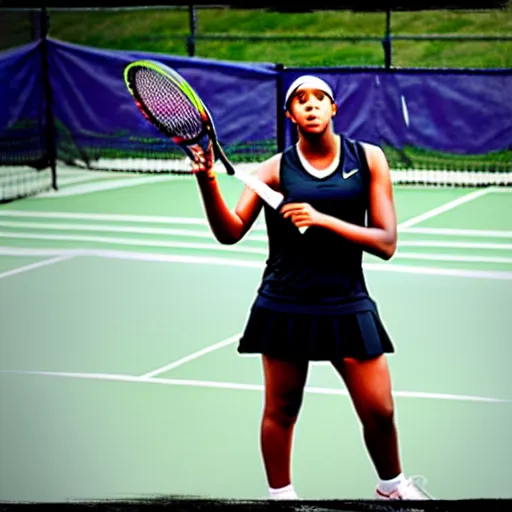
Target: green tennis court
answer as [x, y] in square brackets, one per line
[119, 372]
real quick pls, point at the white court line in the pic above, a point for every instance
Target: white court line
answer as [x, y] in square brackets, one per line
[113, 217]
[135, 256]
[459, 232]
[100, 186]
[67, 181]
[133, 242]
[38, 264]
[109, 228]
[214, 247]
[191, 357]
[195, 233]
[444, 208]
[231, 262]
[248, 387]
[502, 190]
[454, 245]
[452, 257]
[202, 221]
[73, 171]
[440, 271]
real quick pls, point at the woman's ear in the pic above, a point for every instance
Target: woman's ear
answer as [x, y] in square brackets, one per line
[334, 109]
[290, 117]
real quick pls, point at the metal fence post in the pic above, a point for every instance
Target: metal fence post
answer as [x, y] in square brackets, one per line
[191, 39]
[386, 42]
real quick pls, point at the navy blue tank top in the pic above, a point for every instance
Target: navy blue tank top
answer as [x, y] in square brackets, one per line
[318, 272]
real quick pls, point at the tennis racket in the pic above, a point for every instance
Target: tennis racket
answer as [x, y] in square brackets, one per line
[168, 102]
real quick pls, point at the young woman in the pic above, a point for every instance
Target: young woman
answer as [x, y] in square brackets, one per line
[313, 303]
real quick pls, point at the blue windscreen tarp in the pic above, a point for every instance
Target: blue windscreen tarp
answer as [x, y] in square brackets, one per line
[453, 112]
[468, 113]
[91, 98]
[22, 105]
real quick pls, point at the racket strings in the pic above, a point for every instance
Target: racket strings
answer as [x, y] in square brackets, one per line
[168, 104]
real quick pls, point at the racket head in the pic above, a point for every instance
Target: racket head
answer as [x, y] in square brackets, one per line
[168, 102]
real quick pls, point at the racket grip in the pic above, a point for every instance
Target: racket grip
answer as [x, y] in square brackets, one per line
[271, 197]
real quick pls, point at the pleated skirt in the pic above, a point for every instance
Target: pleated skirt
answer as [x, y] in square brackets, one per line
[311, 337]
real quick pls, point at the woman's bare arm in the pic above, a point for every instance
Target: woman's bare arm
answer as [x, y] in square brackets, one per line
[229, 226]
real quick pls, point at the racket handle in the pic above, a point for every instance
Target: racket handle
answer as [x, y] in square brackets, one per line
[271, 197]
[219, 152]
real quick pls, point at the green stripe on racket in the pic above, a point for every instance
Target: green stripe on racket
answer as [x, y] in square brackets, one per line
[170, 103]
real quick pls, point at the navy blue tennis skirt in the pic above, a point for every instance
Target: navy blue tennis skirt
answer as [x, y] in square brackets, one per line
[314, 337]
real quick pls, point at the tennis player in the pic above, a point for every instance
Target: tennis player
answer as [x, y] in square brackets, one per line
[313, 303]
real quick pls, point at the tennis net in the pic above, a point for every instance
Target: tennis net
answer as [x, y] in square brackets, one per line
[409, 166]
[128, 152]
[26, 172]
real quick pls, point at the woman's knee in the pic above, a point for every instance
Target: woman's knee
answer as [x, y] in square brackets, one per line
[284, 389]
[283, 410]
[379, 416]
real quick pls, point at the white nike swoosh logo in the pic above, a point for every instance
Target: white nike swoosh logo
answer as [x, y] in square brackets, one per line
[349, 173]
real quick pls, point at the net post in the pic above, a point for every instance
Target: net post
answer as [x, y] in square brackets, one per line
[279, 108]
[48, 94]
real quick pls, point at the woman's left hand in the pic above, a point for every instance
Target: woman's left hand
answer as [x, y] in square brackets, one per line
[301, 214]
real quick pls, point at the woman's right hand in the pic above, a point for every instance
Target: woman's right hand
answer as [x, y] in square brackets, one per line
[203, 161]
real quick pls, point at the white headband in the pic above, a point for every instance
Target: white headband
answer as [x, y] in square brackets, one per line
[311, 81]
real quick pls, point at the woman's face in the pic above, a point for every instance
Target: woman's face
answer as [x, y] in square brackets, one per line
[311, 109]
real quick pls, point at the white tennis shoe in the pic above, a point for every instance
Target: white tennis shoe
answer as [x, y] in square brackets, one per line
[407, 490]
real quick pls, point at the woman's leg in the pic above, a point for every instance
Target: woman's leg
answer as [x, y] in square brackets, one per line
[369, 385]
[284, 389]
